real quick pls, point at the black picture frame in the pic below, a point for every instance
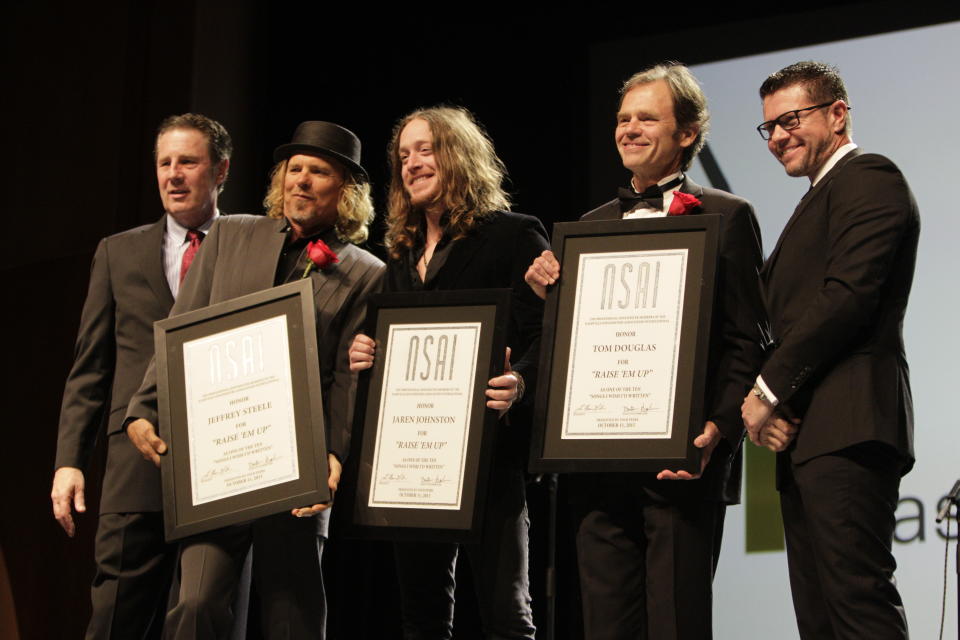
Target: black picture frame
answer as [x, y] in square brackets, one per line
[294, 302]
[549, 451]
[488, 307]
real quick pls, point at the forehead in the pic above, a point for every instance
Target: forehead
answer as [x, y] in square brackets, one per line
[415, 132]
[650, 96]
[182, 142]
[786, 99]
[305, 160]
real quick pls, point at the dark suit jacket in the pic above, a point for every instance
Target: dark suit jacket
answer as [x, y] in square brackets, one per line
[836, 287]
[128, 291]
[736, 339]
[496, 254]
[239, 257]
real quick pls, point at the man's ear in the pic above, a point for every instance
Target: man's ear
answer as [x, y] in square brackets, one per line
[838, 116]
[686, 136]
[222, 170]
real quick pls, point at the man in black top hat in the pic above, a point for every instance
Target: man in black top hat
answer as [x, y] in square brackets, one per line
[319, 196]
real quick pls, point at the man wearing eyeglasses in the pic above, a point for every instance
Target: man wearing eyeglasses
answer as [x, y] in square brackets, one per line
[836, 289]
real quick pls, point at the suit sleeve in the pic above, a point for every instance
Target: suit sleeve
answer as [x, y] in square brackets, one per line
[527, 310]
[740, 320]
[871, 212]
[340, 402]
[86, 395]
[194, 294]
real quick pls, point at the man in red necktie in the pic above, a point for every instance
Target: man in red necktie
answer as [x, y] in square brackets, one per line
[133, 282]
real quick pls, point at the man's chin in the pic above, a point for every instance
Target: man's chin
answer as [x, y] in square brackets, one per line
[190, 217]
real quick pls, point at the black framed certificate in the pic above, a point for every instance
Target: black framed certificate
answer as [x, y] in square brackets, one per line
[422, 446]
[240, 406]
[625, 342]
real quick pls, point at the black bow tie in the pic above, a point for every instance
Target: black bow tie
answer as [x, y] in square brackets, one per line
[652, 196]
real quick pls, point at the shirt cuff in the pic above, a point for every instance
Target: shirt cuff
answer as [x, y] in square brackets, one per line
[766, 391]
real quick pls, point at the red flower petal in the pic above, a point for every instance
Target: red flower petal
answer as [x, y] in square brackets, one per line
[682, 204]
[320, 254]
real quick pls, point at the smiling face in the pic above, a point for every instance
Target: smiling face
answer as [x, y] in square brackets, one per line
[647, 138]
[418, 165]
[188, 180]
[311, 191]
[803, 150]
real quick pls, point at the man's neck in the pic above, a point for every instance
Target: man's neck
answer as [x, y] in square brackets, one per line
[434, 229]
[197, 220]
[641, 183]
[844, 147]
[300, 231]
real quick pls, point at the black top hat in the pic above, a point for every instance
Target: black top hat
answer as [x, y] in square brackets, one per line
[315, 137]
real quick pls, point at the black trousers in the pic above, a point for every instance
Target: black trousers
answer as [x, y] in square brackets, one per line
[646, 561]
[132, 583]
[286, 572]
[499, 563]
[838, 515]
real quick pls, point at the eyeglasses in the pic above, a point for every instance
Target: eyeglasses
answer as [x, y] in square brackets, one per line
[789, 120]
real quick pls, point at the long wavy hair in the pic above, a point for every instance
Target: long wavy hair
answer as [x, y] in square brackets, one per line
[471, 177]
[354, 209]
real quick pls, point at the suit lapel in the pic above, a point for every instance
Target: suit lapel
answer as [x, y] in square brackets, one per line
[325, 282]
[691, 187]
[802, 207]
[151, 261]
[461, 253]
[263, 251]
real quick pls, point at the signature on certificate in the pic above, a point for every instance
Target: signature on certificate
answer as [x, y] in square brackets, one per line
[433, 481]
[260, 463]
[387, 478]
[213, 473]
[640, 410]
[589, 408]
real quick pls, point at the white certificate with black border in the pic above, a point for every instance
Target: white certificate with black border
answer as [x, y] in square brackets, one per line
[240, 412]
[424, 420]
[625, 345]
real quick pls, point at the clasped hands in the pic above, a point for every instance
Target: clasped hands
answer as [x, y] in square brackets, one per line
[765, 426]
[144, 437]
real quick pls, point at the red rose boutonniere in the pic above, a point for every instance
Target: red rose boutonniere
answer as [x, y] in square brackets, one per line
[682, 204]
[320, 256]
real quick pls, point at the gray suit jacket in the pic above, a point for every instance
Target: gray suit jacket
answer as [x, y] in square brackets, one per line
[128, 291]
[239, 257]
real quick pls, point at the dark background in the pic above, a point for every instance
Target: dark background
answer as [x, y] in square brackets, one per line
[84, 88]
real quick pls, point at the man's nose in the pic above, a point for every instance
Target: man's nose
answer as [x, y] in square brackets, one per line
[778, 134]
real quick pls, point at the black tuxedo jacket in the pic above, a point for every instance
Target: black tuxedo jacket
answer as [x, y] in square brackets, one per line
[240, 256]
[128, 291]
[496, 254]
[736, 339]
[836, 288]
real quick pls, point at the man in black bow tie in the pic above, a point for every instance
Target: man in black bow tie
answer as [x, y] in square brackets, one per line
[647, 547]
[836, 288]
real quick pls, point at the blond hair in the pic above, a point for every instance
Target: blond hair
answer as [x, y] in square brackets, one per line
[354, 209]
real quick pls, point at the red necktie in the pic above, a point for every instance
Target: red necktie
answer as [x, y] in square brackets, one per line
[195, 237]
